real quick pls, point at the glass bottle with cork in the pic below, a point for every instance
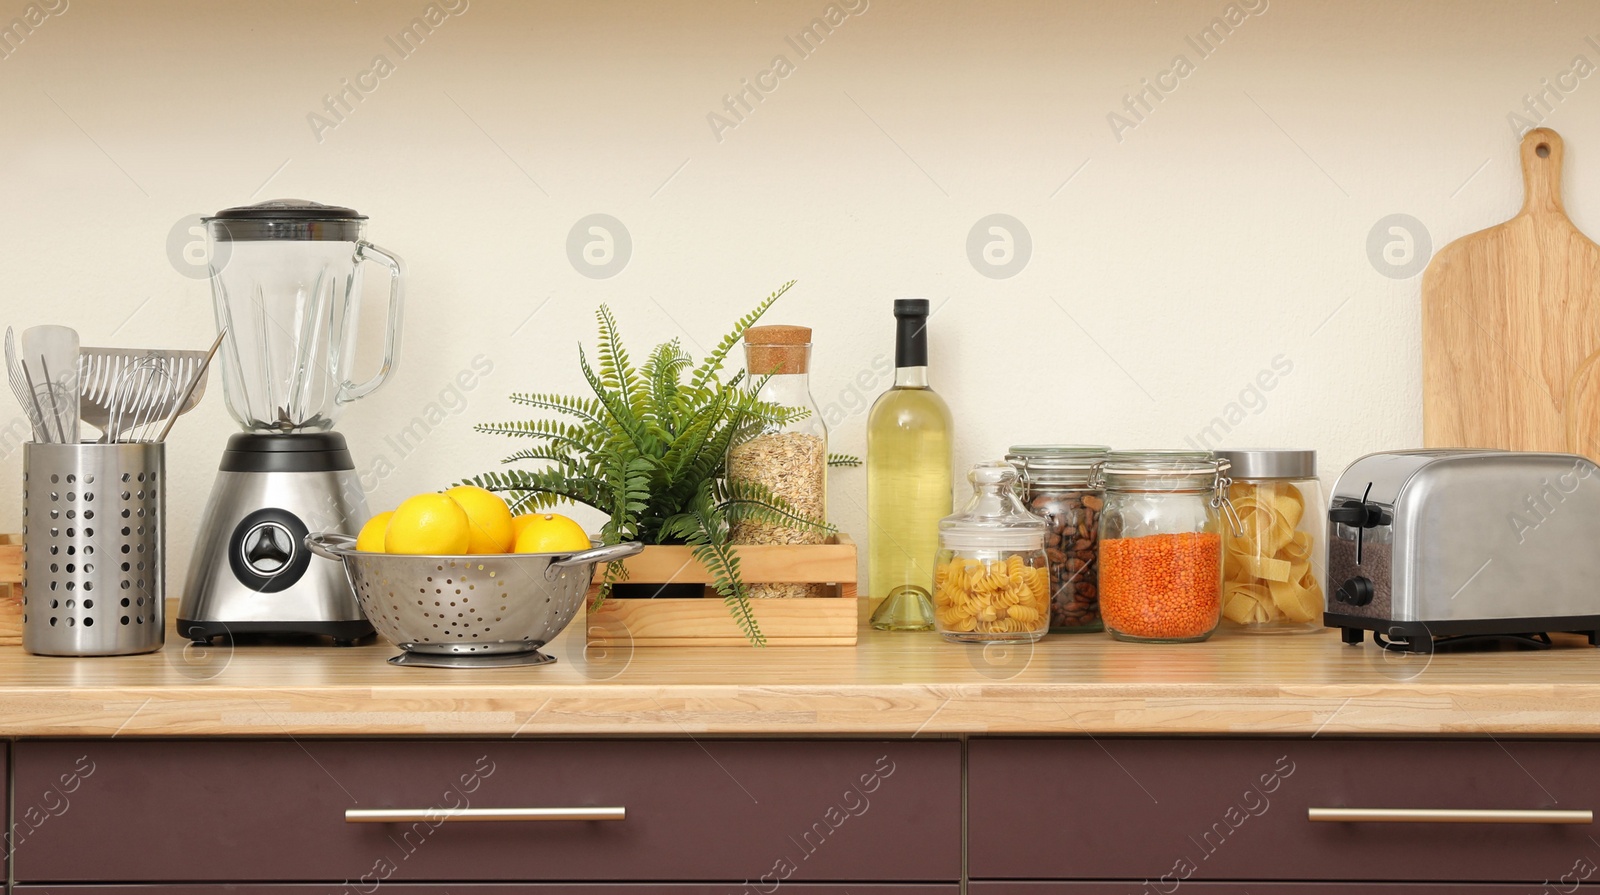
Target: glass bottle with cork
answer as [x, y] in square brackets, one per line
[908, 480]
[790, 460]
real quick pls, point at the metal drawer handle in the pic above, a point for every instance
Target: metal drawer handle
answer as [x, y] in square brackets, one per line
[1448, 816]
[463, 815]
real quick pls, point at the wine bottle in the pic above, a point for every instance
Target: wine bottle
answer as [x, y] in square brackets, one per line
[908, 480]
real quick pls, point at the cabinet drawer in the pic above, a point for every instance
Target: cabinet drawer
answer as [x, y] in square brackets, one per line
[711, 810]
[951, 888]
[1138, 887]
[1237, 809]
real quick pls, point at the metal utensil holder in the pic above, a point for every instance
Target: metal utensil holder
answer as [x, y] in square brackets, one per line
[94, 520]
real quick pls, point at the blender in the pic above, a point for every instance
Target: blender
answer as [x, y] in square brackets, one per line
[286, 285]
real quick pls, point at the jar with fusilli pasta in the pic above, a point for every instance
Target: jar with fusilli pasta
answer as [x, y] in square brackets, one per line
[991, 575]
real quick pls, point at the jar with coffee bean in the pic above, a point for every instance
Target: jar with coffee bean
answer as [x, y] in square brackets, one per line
[1055, 485]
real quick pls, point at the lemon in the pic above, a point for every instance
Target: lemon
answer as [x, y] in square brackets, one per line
[428, 524]
[372, 534]
[551, 533]
[518, 523]
[489, 517]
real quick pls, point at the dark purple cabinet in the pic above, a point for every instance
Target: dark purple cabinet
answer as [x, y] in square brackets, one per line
[1177, 812]
[951, 888]
[274, 811]
[1148, 887]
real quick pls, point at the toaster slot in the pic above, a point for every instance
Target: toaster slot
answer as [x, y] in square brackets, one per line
[1360, 552]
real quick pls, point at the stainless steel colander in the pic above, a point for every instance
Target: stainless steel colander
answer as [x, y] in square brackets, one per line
[468, 611]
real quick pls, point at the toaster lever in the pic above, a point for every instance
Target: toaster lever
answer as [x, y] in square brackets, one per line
[1360, 515]
[1357, 514]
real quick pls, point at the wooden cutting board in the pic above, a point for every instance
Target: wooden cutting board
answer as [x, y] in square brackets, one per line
[1511, 326]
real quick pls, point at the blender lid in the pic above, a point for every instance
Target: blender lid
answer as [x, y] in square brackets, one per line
[286, 219]
[288, 210]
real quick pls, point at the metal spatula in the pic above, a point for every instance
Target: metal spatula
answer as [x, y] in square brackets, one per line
[104, 374]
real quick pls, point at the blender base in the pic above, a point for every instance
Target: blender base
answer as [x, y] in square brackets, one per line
[252, 573]
[346, 633]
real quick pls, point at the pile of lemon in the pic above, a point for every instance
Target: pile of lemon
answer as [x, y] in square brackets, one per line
[467, 519]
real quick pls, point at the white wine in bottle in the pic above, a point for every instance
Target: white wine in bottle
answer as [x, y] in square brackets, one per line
[908, 480]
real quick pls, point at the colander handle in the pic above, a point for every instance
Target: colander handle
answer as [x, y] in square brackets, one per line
[611, 553]
[330, 544]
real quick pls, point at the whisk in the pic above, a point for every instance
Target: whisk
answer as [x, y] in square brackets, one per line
[144, 391]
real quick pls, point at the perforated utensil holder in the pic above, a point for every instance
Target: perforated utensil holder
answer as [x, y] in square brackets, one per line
[94, 520]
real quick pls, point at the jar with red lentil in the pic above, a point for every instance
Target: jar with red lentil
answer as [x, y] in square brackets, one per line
[1055, 486]
[1161, 546]
[991, 580]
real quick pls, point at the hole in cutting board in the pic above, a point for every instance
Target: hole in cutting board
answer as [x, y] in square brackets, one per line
[1542, 150]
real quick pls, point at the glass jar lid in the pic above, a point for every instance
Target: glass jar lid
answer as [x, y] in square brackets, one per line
[1271, 463]
[1162, 454]
[994, 519]
[1056, 464]
[1161, 471]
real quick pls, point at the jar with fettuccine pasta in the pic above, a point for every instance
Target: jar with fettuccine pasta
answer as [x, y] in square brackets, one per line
[1272, 567]
[991, 575]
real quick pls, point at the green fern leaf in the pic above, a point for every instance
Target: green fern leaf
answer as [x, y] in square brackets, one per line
[744, 501]
[588, 410]
[712, 365]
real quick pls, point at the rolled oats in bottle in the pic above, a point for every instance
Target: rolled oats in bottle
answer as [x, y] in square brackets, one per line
[790, 460]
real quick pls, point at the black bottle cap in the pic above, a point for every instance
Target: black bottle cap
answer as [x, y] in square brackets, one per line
[911, 307]
[911, 332]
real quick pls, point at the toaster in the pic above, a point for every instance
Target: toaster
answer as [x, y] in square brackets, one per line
[1431, 545]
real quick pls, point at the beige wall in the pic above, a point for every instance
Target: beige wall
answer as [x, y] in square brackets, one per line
[1227, 229]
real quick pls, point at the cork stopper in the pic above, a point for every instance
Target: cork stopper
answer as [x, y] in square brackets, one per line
[777, 349]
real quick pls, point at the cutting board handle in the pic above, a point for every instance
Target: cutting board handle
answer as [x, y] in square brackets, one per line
[1542, 151]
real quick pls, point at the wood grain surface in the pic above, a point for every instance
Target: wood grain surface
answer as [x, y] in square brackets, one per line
[891, 684]
[10, 589]
[830, 563]
[817, 621]
[706, 621]
[1511, 326]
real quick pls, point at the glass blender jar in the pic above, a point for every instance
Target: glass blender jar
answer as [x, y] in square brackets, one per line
[286, 290]
[286, 280]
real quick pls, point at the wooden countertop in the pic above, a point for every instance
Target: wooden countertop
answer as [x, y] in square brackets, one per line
[891, 684]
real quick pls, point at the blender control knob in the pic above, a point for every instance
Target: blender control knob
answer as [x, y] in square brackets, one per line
[1355, 591]
[267, 549]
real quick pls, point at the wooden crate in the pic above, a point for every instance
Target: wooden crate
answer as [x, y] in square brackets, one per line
[816, 621]
[10, 590]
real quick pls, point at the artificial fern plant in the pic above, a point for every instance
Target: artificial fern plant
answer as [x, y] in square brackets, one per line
[649, 449]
